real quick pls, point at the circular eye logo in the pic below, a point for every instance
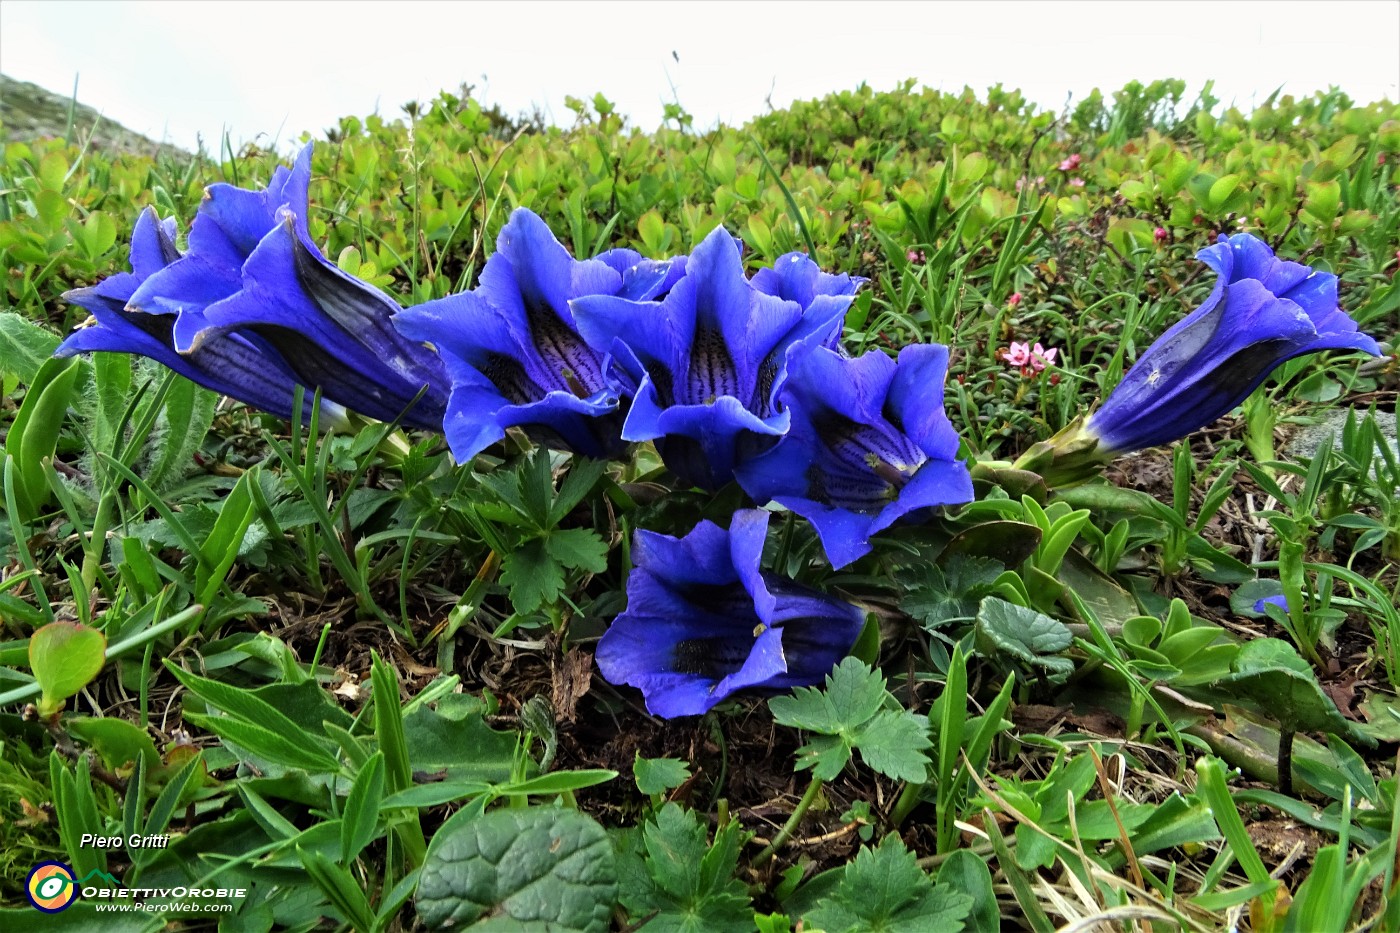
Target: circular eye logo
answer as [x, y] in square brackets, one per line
[51, 887]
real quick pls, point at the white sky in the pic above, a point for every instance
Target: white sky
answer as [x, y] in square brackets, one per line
[183, 70]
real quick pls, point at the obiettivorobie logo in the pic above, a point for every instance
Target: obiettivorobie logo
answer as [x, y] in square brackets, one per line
[51, 888]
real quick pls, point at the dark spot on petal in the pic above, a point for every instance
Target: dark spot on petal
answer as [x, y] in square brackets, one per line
[711, 658]
[508, 375]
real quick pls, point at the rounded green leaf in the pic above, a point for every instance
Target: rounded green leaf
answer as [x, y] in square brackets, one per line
[65, 657]
[540, 867]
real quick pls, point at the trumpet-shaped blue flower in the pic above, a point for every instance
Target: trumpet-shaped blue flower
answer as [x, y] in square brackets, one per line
[513, 352]
[869, 445]
[703, 621]
[252, 270]
[1262, 311]
[237, 365]
[708, 360]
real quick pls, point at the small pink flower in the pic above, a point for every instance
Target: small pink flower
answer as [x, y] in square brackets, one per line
[1014, 300]
[1041, 357]
[1076, 183]
[1017, 355]
[915, 255]
[1070, 164]
[1159, 234]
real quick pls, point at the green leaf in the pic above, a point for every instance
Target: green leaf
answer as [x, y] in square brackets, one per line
[583, 476]
[118, 742]
[238, 702]
[33, 434]
[1008, 543]
[1319, 905]
[1220, 191]
[361, 813]
[850, 714]
[290, 751]
[578, 549]
[557, 782]
[340, 888]
[893, 744]
[1033, 637]
[110, 389]
[455, 739]
[658, 775]
[1262, 654]
[1110, 602]
[884, 889]
[81, 917]
[550, 869]
[1269, 672]
[951, 591]
[854, 693]
[389, 725]
[184, 424]
[1175, 821]
[687, 883]
[966, 872]
[535, 579]
[221, 546]
[65, 657]
[24, 346]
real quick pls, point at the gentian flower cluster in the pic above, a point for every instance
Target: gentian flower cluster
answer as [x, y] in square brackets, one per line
[732, 378]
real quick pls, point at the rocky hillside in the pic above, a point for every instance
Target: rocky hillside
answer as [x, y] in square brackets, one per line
[28, 111]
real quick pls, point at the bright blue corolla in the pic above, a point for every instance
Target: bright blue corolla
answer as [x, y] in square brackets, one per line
[703, 621]
[1262, 311]
[708, 361]
[513, 351]
[252, 270]
[869, 444]
[237, 365]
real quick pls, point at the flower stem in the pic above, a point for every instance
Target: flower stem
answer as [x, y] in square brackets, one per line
[908, 800]
[792, 823]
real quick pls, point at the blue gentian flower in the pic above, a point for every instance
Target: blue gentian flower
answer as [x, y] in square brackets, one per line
[1262, 311]
[237, 365]
[707, 361]
[795, 277]
[1280, 600]
[703, 621]
[253, 270]
[869, 444]
[513, 352]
